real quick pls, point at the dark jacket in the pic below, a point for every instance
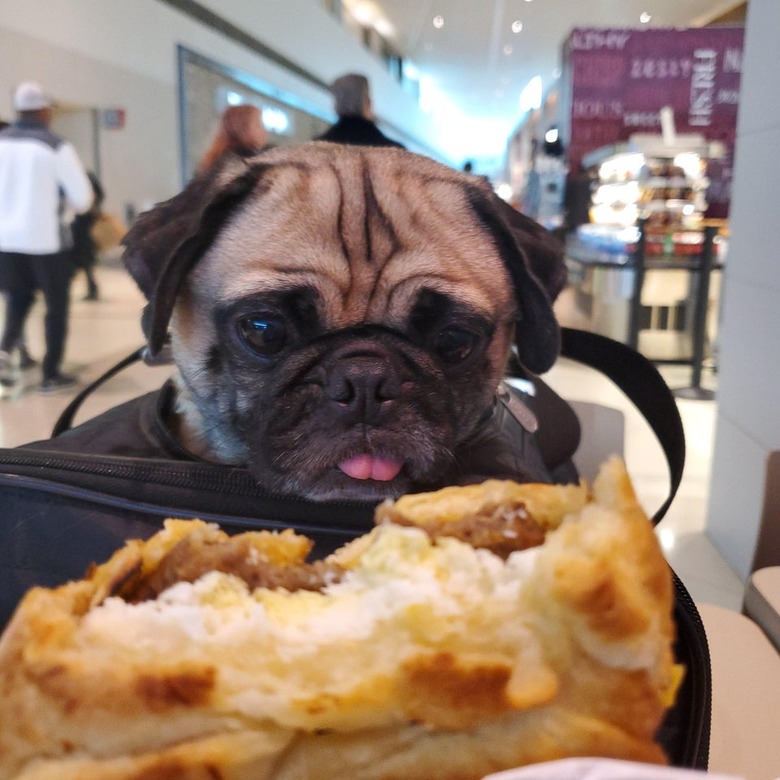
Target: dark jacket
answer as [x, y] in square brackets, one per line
[357, 131]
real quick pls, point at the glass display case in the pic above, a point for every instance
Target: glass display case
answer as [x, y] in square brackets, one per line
[636, 265]
[663, 185]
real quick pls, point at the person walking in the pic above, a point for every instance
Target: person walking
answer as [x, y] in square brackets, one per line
[40, 174]
[355, 125]
[26, 360]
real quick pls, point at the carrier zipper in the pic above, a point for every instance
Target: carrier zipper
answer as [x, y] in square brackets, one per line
[687, 614]
[199, 476]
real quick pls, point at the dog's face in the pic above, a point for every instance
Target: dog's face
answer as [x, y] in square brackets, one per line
[340, 316]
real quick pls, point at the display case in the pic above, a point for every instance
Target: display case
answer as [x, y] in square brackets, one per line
[663, 185]
[637, 265]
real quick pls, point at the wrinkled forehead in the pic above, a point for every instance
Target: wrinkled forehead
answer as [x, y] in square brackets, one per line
[366, 224]
[382, 192]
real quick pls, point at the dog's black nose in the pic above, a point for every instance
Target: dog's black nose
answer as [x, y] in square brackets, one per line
[363, 387]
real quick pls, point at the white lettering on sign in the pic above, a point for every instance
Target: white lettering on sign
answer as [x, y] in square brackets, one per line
[597, 109]
[702, 87]
[641, 119]
[659, 68]
[728, 97]
[590, 40]
[732, 61]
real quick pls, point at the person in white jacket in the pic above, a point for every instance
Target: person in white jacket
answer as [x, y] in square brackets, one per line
[40, 175]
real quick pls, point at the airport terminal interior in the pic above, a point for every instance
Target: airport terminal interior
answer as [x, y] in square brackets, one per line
[640, 134]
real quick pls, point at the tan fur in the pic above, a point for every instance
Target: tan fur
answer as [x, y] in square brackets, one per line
[270, 246]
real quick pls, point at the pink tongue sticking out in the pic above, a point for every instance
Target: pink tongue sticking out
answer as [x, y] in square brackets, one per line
[371, 467]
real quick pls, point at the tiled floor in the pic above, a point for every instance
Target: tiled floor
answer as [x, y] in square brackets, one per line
[102, 332]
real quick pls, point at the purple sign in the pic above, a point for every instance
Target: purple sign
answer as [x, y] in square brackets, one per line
[621, 78]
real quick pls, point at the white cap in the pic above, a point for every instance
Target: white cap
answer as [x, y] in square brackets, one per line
[30, 97]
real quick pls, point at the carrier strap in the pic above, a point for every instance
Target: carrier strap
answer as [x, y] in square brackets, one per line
[641, 382]
[65, 420]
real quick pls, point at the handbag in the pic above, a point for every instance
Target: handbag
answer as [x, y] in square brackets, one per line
[107, 231]
[64, 509]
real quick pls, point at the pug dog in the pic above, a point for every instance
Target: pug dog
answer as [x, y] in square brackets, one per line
[340, 317]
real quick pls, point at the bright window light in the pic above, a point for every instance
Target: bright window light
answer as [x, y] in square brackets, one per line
[531, 96]
[551, 136]
[428, 95]
[410, 70]
[276, 120]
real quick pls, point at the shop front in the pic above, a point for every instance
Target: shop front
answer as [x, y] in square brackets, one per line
[650, 129]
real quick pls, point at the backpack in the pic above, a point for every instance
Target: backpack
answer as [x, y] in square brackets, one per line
[63, 509]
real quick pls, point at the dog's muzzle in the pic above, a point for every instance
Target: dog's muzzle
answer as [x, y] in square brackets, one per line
[364, 382]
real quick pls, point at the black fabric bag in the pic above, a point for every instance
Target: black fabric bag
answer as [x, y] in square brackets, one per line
[62, 509]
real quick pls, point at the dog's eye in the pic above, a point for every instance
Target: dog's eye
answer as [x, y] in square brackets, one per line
[264, 335]
[454, 345]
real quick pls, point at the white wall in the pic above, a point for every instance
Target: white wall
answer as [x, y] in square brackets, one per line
[748, 420]
[122, 53]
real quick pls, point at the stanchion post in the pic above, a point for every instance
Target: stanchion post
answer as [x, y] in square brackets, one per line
[696, 391]
[638, 261]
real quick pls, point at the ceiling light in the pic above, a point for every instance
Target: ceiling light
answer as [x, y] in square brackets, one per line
[645, 17]
[551, 136]
[517, 25]
[384, 28]
[507, 49]
[438, 22]
[363, 14]
[504, 191]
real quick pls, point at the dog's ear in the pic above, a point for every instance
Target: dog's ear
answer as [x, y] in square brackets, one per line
[535, 263]
[166, 241]
[544, 252]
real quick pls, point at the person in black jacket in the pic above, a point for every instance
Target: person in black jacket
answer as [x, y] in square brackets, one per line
[356, 124]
